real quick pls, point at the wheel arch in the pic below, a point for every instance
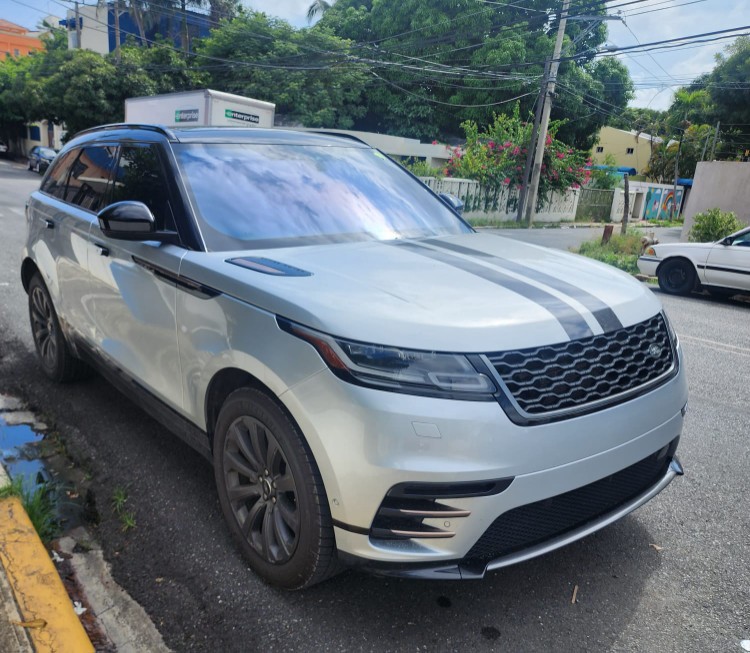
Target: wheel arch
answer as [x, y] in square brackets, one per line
[679, 257]
[28, 269]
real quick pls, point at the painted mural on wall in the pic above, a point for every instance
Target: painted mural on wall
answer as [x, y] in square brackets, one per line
[659, 203]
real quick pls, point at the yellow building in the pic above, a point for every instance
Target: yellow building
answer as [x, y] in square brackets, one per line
[629, 149]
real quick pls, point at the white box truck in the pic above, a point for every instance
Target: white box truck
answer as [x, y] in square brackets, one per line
[199, 108]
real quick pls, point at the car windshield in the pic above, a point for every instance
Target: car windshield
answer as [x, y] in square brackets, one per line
[258, 195]
[45, 151]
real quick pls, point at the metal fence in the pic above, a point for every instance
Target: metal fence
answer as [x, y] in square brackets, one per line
[595, 204]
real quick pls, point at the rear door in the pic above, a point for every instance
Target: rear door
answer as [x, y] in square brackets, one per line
[132, 283]
[62, 213]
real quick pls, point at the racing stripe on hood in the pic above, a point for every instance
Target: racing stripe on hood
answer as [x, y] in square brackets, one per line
[569, 318]
[603, 314]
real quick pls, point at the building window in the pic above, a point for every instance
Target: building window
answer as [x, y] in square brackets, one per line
[599, 149]
[630, 150]
[35, 133]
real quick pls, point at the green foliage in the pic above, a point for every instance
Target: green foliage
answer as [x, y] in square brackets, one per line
[38, 504]
[126, 517]
[621, 251]
[421, 168]
[316, 94]
[713, 225]
[496, 157]
[605, 179]
[661, 164]
[489, 38]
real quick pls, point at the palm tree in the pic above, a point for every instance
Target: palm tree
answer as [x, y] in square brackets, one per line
[318, 7]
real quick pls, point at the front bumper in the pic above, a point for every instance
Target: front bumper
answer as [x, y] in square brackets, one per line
[368, 442]
[648, 265]
[471, 568]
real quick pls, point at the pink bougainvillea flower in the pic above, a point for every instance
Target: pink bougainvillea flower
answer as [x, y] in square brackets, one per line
[491, 144]
[434, 142]
[560, 155]
[507, 180]
[516, 150]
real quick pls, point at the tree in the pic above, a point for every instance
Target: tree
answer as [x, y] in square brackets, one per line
[436, 63]
[317, 8]
[307, 73]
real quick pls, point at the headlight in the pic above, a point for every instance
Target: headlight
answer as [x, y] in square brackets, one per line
[670, 330]
[411, 371]
[650, 251]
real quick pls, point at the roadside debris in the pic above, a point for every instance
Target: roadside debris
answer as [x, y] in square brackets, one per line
[656, 547]
[574, 599]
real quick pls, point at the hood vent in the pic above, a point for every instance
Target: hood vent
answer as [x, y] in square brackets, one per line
[268, 266]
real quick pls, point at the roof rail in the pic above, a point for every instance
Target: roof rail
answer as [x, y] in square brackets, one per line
[124, 125]
[340, 134]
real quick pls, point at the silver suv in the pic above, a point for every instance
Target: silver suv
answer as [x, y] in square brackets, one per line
[375, 383]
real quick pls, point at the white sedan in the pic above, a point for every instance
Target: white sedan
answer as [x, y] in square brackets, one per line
[683, 267]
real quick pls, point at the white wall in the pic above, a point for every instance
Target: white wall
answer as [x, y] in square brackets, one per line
[560, 207]
[719, 184]
[94, 30]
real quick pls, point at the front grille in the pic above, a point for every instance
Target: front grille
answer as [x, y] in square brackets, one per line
[569, 375]
[538, 522]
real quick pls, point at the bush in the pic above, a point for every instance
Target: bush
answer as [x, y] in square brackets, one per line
[621, 251]
[713, 225]
[421, 168]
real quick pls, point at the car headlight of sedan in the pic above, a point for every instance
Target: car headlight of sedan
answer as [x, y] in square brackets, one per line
[650, 251]
[427, 373]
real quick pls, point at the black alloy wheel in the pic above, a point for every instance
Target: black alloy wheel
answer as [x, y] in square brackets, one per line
[57, 361]
[677, 277]
[261, 490]
[271, 492]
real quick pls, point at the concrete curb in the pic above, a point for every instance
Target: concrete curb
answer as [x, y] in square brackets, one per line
[43, 604]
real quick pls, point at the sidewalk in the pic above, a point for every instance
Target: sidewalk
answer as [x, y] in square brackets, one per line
[38, 614]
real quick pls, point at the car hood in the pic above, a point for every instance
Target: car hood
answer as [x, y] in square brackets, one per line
[688, 249]
[472, 293]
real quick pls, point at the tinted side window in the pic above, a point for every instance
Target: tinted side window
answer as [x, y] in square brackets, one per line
[57, 179]
[140, 177]
[89, 178]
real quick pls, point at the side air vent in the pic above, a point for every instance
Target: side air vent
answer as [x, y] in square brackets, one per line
[403, 511]
[268, 266]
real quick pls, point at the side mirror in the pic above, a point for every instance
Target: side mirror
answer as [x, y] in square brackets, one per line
[127, 221]
[454, 202]
[727, 241]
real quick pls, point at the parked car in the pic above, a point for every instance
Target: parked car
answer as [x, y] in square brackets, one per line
[720, 267]
[3, 148]
[40, 158]
[375, 383]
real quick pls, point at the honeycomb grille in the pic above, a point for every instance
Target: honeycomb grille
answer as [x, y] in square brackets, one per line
[572, 374]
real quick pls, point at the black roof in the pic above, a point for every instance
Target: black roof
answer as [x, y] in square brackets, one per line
[138, 132]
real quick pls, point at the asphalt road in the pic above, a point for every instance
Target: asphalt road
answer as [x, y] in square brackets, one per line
[691, 594]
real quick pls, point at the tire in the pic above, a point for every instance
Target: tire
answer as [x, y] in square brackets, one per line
[677, 277]
[38, 168]
[56, 359]
[271, 492]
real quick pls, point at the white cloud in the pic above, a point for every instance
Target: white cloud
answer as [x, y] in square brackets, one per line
[681, 65]
[295, 11]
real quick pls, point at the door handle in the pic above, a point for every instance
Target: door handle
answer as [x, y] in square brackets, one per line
[103, 251]
[50, 223]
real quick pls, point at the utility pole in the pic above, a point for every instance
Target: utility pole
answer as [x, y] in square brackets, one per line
[117, 31]
[685, 125]
[713, 145]
[531, 196]
[523, 195]
[78, 28]
[626, 209]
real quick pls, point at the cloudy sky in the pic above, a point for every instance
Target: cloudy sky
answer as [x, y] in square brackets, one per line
[655, 74]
